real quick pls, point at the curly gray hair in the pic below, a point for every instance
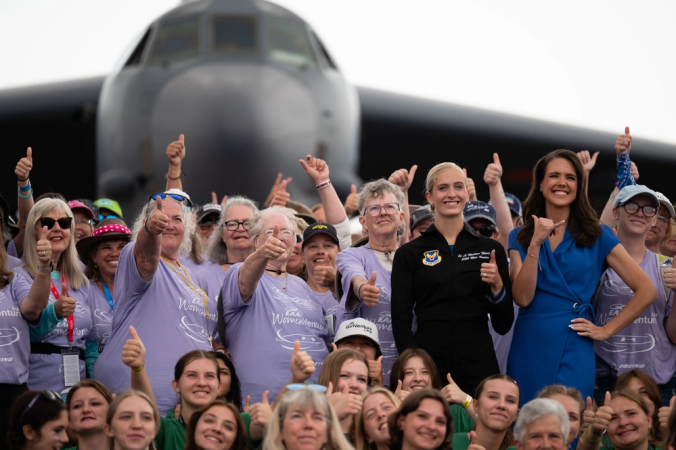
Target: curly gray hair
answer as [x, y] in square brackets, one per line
[378, 188]
[217, 251]
[187, 216]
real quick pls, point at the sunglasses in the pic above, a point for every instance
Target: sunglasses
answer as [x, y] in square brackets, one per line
[64, 222]
[298, 386]
[178, 198]
[49, 395]
[108, 216]
[485, 231]
[207, 224]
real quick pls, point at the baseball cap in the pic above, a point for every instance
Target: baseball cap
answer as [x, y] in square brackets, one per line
[111, 205]
[320, 228]
[207, 209]
[77, 204]
[479, 210]
[514, 204]
[358, 327]
[629, 192]
[667, 204]
[421, 214]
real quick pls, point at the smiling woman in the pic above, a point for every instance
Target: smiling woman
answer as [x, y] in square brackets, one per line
[422, 422]
[216, 427]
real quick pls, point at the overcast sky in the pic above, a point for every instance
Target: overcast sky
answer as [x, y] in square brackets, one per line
[597, 64]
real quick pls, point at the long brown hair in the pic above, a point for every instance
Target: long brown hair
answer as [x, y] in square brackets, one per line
[640, 401]
[508, 440]
[400, 364]
[583, 222]
[651, 389]
[89, 383]
[240, 440]
[410, 404]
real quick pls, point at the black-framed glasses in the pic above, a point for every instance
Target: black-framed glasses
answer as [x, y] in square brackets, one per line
[633, 208]
[374, 210]
[207, 224]
[64, 222]
[49, 395]
[178, 198]
[232, 225]
[485, 231]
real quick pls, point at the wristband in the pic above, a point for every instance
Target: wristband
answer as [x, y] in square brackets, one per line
[27, 196]
[25, 188]
[467, 402]
[138, 370]
[146, 228]
[323, 184]
[174, 179]
[586, 435]
[21, 179]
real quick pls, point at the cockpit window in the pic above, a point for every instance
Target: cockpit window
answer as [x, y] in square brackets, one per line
[176, 41]
[234, 35]
[290, 43]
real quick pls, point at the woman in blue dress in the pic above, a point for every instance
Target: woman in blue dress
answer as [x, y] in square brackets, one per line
[557, 258]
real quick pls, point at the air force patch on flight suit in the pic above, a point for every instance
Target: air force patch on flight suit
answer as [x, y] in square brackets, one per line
[432, 258]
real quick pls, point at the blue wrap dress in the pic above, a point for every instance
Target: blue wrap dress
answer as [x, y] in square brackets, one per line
[544, 349]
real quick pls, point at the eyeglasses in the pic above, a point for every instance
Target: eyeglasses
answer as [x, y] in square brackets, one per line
[85, 222]
[49, 395]
[207, 224]
[298, 386]
[64, 222]
[286, 234]
[178, 198]
[232, 225]
[485, 231]
[107, 216]
[374, 210]
[633, 208]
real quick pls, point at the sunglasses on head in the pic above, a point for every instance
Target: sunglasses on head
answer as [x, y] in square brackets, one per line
[64, 222]
[49, 395]
[485, 231]
[178, 198]
[298, 386]
[108, 216]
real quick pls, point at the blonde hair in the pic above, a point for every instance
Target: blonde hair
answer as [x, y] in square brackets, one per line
[361, 439]
[116, 403]
[436, 171]
[305, 398]
[189, 223]
[69, 263]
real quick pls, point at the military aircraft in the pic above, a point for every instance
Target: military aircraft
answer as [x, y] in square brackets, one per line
[253, 89]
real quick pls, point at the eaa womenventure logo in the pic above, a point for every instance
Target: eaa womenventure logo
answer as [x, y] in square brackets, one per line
[366, 328]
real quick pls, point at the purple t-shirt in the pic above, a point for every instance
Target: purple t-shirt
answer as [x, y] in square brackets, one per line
[103, 314]
[643, 344]
[260, 333]
[327, 301]
[11, 249]
[12, 262]
[46, 371]
[15, 341]
[169, 318]
[210, 278]
[361, 261]
[187, 261]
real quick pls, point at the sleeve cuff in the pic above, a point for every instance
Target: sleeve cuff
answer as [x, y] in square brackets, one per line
[500, 298]
[344, 236]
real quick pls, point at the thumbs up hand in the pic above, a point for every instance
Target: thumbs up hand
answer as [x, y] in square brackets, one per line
[275, 187]
[471, 188]
[24, 166]
[664, 413]
[602, 417]
[301, 365]
[493, 171]
[64, 306]
[44, 248]
[452, 392]
[588, 162]
[175, 153]
[588, 416]
[403, 178]
[157, 221]
[351, 201]
[274, 247]
[623, 142]
[473, 439]
[400, 392]
[490, 274]
[324, 275]
[376, 371]
[261, 412]
[134, 352]
[282, 197]
[368, 292]
[344, 403]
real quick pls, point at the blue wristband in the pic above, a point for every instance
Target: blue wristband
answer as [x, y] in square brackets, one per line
[25, 197]
[25, 188]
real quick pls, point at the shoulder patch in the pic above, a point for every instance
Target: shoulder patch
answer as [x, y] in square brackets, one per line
[432, 258]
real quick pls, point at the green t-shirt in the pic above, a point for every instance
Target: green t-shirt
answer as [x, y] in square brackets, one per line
[607, 445]
[462, 422]
[461, 442]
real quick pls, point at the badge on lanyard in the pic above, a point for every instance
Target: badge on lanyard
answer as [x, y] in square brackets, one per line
[71, 366]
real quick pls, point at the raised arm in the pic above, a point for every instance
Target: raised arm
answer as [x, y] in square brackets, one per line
[254, 267]
[149, 242]
[525, 274]
[24, 197]
[318, 171]
[175, 154]
[276, 186]
[492, 177]
[134, 356]
[404, 179]
[31, 307]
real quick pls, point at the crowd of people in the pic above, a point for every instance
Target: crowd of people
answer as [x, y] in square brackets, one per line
[459, 324]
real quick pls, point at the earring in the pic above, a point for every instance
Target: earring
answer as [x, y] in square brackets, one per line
[432, 207]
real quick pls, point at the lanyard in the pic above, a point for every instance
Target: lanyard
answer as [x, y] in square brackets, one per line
[70, 319]
[190, 285]
[106, 291]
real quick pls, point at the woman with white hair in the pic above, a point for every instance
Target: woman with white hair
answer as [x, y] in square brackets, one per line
[266, 309]
[304, 420]
[68, 349]
[229, 244]
[156, 294]
[542, 424]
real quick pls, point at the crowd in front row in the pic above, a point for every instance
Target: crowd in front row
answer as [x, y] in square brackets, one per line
[461, 324]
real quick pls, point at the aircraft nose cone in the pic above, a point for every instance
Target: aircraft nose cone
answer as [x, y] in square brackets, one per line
[260, 120]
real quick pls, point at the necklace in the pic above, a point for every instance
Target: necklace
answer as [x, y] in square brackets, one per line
[278, 272]
[195, 289]
[387, 253]
[286, 278]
